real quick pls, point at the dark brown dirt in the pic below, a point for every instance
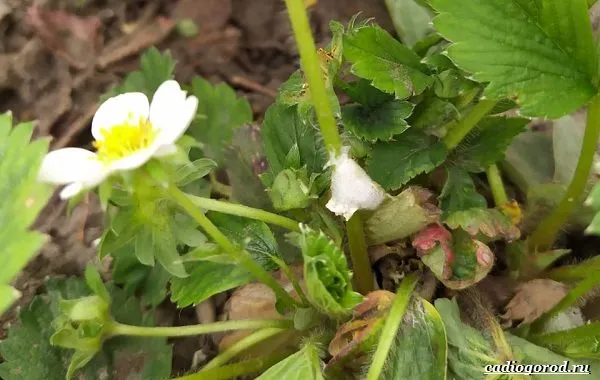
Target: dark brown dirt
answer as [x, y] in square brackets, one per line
[58, 56]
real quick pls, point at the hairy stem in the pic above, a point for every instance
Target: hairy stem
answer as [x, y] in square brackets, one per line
[245, 367]
[544, 235]
[465, 125]
[496, 185]
[361, 264]
[241, 346]
[245, 211]
[243, 257]
[314, 74]
[391, 326]
[219, 187]
[117, 328]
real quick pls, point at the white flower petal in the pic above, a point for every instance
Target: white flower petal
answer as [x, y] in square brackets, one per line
[351, 187]
[180, 121]
[71, 190]
[165, 150]
[171, 112]
[63, 166]
[118, 109]
[134, 160]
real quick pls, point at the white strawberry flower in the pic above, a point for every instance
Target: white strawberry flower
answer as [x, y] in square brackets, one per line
[128, 131]
[351, 187]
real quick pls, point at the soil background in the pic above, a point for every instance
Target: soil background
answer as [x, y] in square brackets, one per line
[57, 57]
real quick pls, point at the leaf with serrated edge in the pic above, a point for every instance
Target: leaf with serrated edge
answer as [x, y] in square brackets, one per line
[541, 57]
[489, 222]
[221, 111]
[27, 353]
[206, 279]
[486, 143]
[377, 123]
[22, 200]
[459, 193]
[389, 65]
[393, 164]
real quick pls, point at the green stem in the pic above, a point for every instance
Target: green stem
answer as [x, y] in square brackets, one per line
[314, 74]
[241, 346]
[117, 328]
[496, 185]
[465, 125]
[243, 257]
[575, 272]
[293, 279]
[231, 371]
[219, 187]
[574, 295]
[245, 211]
[391, 326]
[361, 264]
[542, 238]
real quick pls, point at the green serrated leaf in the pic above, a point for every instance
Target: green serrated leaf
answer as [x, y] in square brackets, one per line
[540, 48]
[451, 83]
[327, 276]
[206, 279]
[27, 353]
[486, 143]
[377, 123]
[411, 20]
[255, 236]
[23, 198]
[393, 164]
[420, 349]
[303, 365]
[155, 68]
[433, 113]
[243, 161]
[222, 112]
[136, 278]
[389, 65]
[459, 193]
[362, 92]
[489, 222]
[282, 129]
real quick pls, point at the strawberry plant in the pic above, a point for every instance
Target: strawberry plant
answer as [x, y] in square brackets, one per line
[376, 144]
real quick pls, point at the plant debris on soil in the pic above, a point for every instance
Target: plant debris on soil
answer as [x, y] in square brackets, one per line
[57, 57]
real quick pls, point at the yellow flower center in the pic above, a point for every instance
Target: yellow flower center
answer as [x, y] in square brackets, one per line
[124, 139]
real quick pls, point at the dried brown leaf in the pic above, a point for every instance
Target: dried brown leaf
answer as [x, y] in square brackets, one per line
[533, 299]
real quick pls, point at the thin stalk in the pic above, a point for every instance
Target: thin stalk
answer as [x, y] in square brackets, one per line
[574, 295]
[240, 255]
[219, 187]
[241, 346]
[575, 272]
[363, 274]
[245, 367]
[117, 328]
[464, 126]
[544, 235]
[293, 279]
[496, 185]
[391, 326]
[314, 74]
[245, 211]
